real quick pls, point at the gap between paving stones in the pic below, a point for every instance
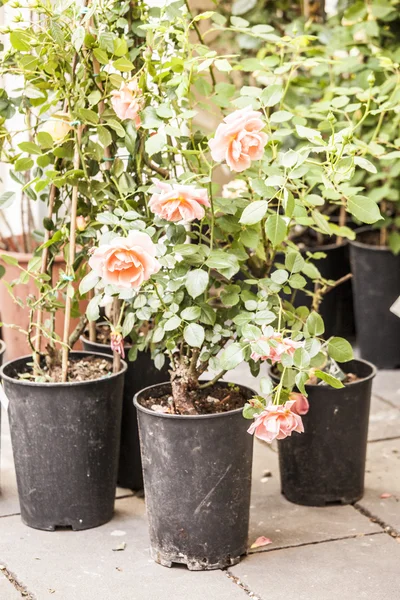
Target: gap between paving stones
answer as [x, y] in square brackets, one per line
[12, 578]
[386, 401]
[243, 586]
[388, 529]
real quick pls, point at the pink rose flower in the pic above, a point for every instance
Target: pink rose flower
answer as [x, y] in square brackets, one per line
[282, 346]
[81, 223]
[179, 202]
[117, 343]
[239, 139]
[301, 405]
[126, 262]
[126, 103]
[277, 421]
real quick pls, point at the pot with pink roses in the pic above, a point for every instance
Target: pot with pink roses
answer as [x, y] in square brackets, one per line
[65, 407]
[173, 259]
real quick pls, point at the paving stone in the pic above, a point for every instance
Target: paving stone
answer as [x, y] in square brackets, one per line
[353, 569]
[384, 420]
[387, 386]
[288, 524]
[7, 590]
[83, 565]
[9, 504]
[383, 477]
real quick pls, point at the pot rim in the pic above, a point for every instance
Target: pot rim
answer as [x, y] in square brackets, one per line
[373, 373]
[359, 244]
[185, 417]
[59, 384]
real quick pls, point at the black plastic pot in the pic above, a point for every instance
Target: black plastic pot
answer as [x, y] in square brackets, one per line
[139, 375]
[65, 439]
[337, 305]
[197, 479]
[376, 285]
[2, 351]
[326, 464]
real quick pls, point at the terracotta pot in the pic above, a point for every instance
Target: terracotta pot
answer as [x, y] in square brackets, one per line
[12, 313]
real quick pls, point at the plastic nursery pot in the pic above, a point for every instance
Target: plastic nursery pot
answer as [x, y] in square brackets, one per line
[2, 351]
[197, 480]
[326, 464]
[376, 286]
[65, 439]
[140, 373]
[336, 307]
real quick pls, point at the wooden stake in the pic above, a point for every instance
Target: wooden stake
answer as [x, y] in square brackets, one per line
[71, 260]
[116, 356]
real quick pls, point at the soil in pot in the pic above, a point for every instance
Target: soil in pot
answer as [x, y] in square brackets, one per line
[376, 286]
[140, 374]
[65, 439]
[197, 476]
[326, 464]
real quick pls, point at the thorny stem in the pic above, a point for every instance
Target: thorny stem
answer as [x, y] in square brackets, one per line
[116, 309]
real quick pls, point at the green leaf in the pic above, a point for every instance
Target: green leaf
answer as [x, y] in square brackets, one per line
[365, 164]
[155, 143]
[23, 164]
[120, 47]
[9, 260]
[225, 263]
[364, 209]
[394, 242]
[276, 229]
[101, 56]
[321, 222]
[223, 65]
[194, 335]
[340, 350]
[20, 40]
[294, 261]
[279, 276]
[315, 324]
[192, 313]
[271, 95]
[251, 333]
[311, 134]
[329, 379]
[88, 116]
[172, 323]
[93, 311]
[29, 147]
[44, 139]
[123, 64]
[231, 357]
[297, 281]
[129, 322]
[280, 116]
[6, 199]
[301, 358]
[254, 212]
[196, 282]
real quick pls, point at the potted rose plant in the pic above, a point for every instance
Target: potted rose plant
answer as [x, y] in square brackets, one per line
[65, 407]
[195, 450]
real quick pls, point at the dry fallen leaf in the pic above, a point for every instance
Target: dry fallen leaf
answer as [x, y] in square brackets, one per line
[261, 541]
[386, 495]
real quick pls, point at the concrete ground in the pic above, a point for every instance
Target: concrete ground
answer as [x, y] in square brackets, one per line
[346, 552]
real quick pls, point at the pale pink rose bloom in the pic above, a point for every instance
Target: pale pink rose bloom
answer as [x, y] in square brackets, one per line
[278, 421]
[126, 261]
[126, 102]
[117, 343]
[283, 346]
[301, 405]
[179, 202]
[239, 139]
[58, 126]
[234, 189]
[81, 223]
